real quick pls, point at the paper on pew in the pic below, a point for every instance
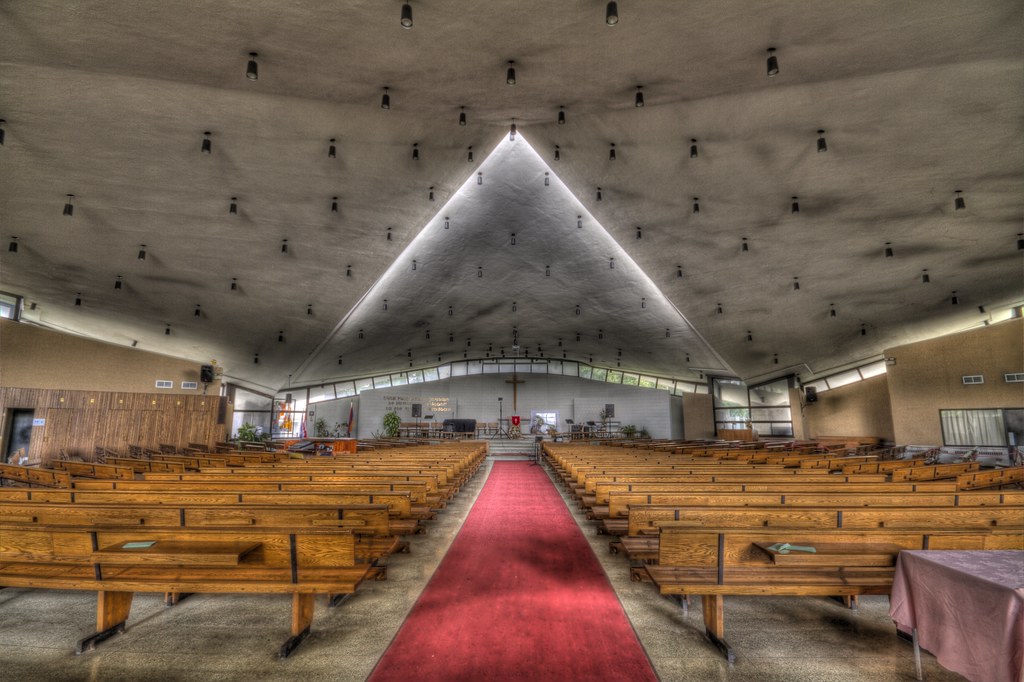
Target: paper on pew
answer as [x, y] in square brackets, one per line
[786, 548]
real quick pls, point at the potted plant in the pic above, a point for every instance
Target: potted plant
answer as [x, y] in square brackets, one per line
[392, 423]
[628, 430]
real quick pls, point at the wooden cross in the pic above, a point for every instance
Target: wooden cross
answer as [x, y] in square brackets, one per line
[515, 381]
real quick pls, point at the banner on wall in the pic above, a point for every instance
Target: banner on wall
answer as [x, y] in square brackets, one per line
[440, 408]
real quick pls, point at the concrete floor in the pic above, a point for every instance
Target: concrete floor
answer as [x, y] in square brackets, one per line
[236, 637]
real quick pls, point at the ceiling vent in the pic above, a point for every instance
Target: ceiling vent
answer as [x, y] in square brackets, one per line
[1014, 378]
[163, 383]
[973, 379]
[189, 385]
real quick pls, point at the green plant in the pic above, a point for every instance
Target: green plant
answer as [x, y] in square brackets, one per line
[250, 432]
[392, 422]
[628, 430]
[320, 429]
[644, 433]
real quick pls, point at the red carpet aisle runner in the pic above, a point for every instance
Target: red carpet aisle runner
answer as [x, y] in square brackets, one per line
[519, 595]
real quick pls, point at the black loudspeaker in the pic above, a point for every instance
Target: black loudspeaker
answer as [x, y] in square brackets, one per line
[206, 374]
[810, 394]
[417, 410]
[609, 410]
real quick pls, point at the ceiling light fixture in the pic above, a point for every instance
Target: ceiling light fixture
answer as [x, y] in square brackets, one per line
[406, 15]
[981, 309]
[512, 131]
[611, 14]
[668, 334]
[745, 246]
[142, 252]
[750, 335]
[579, 222]
[795, 207]
[387, 235]
[447, 222]
[280, 336]
[450, 311]
[775, 359]
[309, 309]
[600, 334]
[462, 116]
[118, 282]
[2, 133]
[13, 246]
[430, 194]
[832, 310]
[332, 151]
[679, 271]
[428, 335]
[284, 246]
[578, 312]
[348, 270]
[413, 263]
[197, 312]
[796, 284]
[167, 330]
[480, 178]
[361, 334]
[643, 301]
[561, 115]
[696, 205]
[925, 278]
[233, 206]
[334, 204]
[69, 205]
[822, 145]
[547, 179]
[252, 69]
[451, 337]
[599, 195]
[513, 241]
[958, 202]
[773, 63]
[639, 96]
[339, 359]
[479, 271]
[954, 299]
[639, 232]
[385, 304]
[611, 263]
[234, 284]
[611, 152]
[889, 253]
[256, 359]
[863, 329]
[547, 270]
[415, 151]
[558, 153]
[1020, 241]
[515, 307]
[385, 99]
[207, 147]
[510, 74]
[693, 147]
[718, 310]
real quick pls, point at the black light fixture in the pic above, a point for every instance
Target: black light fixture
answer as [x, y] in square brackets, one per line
[361, 335]
[462, 116]
[679, 271]
[415, 151]
[469, 154]
[889, 253]
[451, 337]
[547, 179]
[925, 278]
[718, 310]
[795, 207]
[252, 69]
[339, 359]
[309, 309]
[559, 341]
[2, 133]
[832, 310]
[693, 147]
[284, 246]
[233, 206]
[796, 284]
[775, 359]
[611, 152]
[480, 178]
[348, 270]
[577, 337]
[639, 232]
[479, 271]
[510, 74]
[167, 330]
[668, 334]
[863, 329]
[981, 309]
[406, 15]
[197, 312]
[408, 353]
[69, 205]
[643, 301]
[578, 312]
[234, 284]
[447, 222]
[512, 131]
[13, 246]
[450, 311]
[611, 14]
[745, 246]
[332, 151]
[696, 205]
[773, 63]
[547, 270]
[385, 99]
[118, 283]
[958, 202]
[639, 96]
[387, 235]
[954, 299]
[561, 115]
[750, 335]
[599, 196]
[515, 306]
[280, 336]
[142, 252]
[413, 263]
[611, 263]
[600, 334]
[207, 147]
[385, 307]
[579, 222]
[256, 359]
[513, 239]
[822, 145]
[430, 193]
[1020, 241]
[334, 204]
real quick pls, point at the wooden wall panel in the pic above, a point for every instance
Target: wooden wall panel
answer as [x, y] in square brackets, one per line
[78, 421]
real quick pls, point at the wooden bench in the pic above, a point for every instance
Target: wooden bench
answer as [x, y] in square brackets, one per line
[118, 562]
[990, 479]
[46, 478]
[93, 470]
[716, 562]
[934, 472]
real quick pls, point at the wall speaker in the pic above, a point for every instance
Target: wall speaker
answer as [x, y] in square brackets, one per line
[810, 394]
[206, 374]
[417, 410]
[609, 410]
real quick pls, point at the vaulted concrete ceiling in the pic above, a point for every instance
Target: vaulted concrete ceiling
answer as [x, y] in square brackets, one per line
[109, 101]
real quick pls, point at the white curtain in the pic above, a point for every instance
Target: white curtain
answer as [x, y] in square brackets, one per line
[973, 427]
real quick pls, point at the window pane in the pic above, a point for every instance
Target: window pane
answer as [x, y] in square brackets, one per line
[770, 414]
[570, 369]
[818, 385]
[733, 415]
[843, 378]
[444, 372]
[458, 369]
[382, 382]
[345, 389]
[586, 372]
[555, 367]
[492, 368]
[539, 368]
[320, 393]
[630, 379]
[474, 367]
[666, 385]
[430, 374]
[614, 376]
[399, 379]
[873, 370]
[775, 393]
[599, 374]
[363, 385]
[648, 382]
[730, 392]
[973, 427]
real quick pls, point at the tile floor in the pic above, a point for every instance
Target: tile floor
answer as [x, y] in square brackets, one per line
[210, 638]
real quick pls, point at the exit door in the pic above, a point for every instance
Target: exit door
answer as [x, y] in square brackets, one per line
[20, 435]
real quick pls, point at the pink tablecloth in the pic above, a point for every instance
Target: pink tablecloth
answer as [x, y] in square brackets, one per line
[968, 608]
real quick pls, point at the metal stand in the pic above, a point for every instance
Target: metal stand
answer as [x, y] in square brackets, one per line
[502, 431]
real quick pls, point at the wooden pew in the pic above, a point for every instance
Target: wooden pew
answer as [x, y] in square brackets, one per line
[141, 466]
[93, 470]
[934, 472]
[718, 562]
[118, 562]
[990, 479]
[46, 478]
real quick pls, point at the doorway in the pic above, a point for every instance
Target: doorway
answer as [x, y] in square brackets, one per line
[19, 437]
